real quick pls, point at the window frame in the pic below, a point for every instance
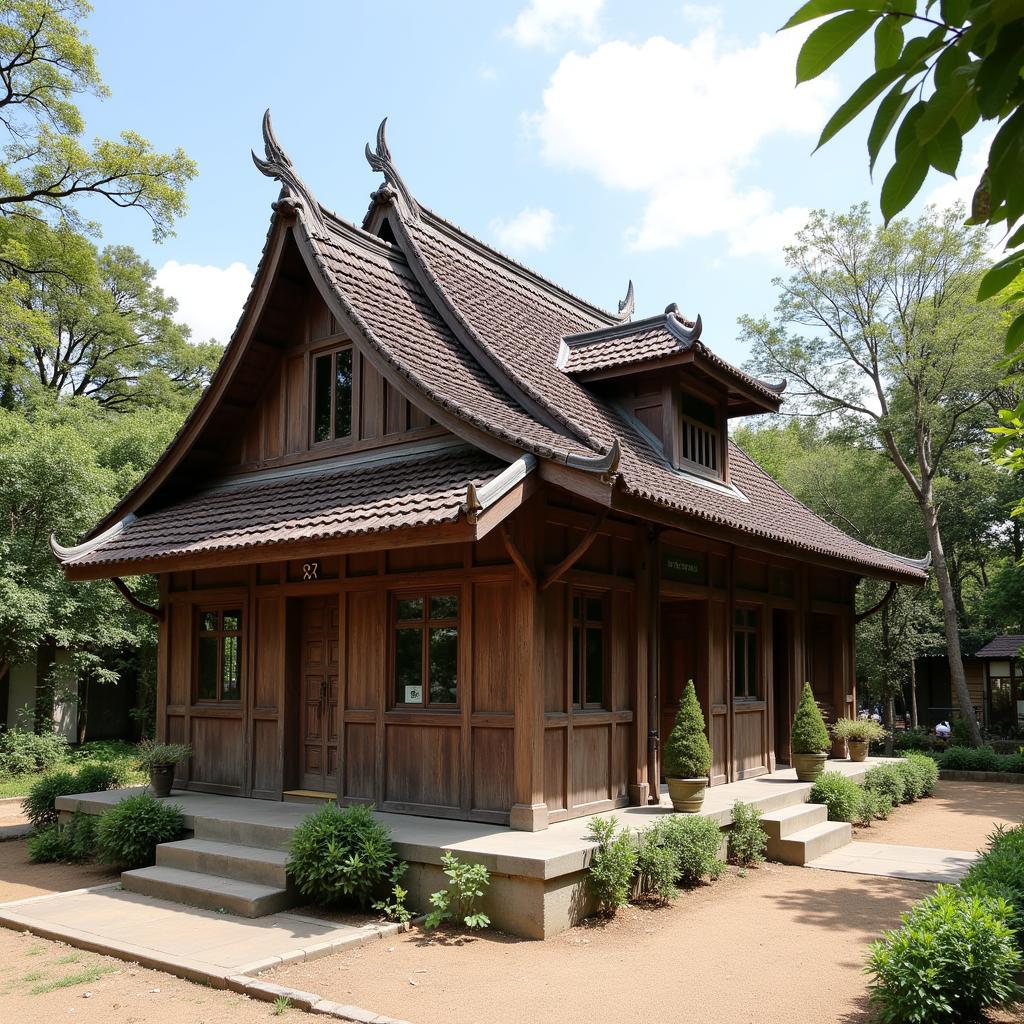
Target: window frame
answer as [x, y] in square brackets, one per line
[221, 634]
[751, 638]
[425, 623]
[583, 622]
[717, 433]
[331, 351]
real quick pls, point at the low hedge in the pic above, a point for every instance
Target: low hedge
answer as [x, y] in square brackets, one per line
[982, 759]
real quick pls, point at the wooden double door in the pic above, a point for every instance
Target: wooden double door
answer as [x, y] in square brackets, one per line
[318, 682]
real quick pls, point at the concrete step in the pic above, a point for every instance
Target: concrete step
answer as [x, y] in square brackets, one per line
[783, 823]
[243, 833]
[206, 856]
[212, 892]
[810, 843]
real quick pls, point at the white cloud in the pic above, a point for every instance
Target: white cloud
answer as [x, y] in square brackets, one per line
[209, 298]
[530, 228]
[767, 234]
[543, 22]
[680, 123]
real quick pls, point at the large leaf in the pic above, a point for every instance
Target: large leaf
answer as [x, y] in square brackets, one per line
[886, 116]
[998, 277]
[944, 149]
[819, 8]
[1015, 335]
[903, 181]
[888, 41]
[1000, 71]
[861, 97]
[828, 42]
[942, 107]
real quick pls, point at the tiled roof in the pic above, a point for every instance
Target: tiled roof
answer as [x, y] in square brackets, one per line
[419, 491]
[1007, 646]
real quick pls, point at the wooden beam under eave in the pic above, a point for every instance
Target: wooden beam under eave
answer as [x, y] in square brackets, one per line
[576, 554]
[494, 516]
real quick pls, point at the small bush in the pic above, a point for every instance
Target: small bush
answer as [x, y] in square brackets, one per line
[340, 854]
[687, 753]
[75, 841]
[96, 777]
[695, 842]
[926, 771]
[873, 807]
[747, 840]
[1000, 872]
[980, 759]
[129, 833]
[912, 781]
[40, 804]
[959, 733]
[887, 780]
[457, 903]
[953, 956]
[809, 735]
[23, 752]
[393, 907]
[151, 754]
[860, 730]
[612, 865]
[657, 866]
[842, 796]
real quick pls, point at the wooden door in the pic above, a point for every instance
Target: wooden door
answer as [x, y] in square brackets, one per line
[318, 674]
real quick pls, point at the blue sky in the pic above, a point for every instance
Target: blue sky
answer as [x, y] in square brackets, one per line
[594, 141]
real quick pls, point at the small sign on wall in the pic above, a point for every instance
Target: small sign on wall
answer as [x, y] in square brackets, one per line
[684, 567]
[414, 695]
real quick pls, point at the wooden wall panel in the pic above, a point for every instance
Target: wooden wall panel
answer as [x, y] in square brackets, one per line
[228, 576]
[367, 649]
[270, 652]
[493, 668]
[748, 742]
[590, 764]
[217, 753]
[266, 756]
[358, 765]
[622, 661]
[621, 766]
[180, 638]
[554, 769]
[296, 389]
[492, 769]
[439, 556]
[555, 664]
[422, 765]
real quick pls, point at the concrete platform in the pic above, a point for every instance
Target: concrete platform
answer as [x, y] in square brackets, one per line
[886, 860]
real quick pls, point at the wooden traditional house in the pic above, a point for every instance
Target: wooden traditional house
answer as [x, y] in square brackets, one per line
[444, 537]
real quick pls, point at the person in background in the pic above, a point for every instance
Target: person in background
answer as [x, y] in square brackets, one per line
[942, 730]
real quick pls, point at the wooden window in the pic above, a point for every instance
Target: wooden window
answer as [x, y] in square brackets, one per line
[589, 654]
[332, 395]
[426, 650]
[746, 645]
[219, 655]
[700, 434]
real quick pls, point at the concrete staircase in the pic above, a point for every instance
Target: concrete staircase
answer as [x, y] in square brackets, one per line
[802, 832]
[216, 871]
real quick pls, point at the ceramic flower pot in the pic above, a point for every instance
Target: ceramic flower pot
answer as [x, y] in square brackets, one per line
[809, 766]
[687, 794]
[160, 778]
[858, 749]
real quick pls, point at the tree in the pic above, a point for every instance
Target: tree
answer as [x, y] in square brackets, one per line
[878, 330]
[45, 62]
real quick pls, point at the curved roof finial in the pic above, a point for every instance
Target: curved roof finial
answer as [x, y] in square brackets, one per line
[380, 161]
[684, 331]
[628, 304]
[278, 165]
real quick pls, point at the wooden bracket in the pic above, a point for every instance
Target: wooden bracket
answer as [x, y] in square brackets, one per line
[889, 595]
[516, 555]
[147, 609]
[576, 554]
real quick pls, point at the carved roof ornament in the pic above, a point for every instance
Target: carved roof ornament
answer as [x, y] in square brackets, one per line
[681, 328]
[380, 161]
[627, 305]
[298, 196]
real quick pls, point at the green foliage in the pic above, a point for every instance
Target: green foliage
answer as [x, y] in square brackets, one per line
[874, 806]
[687, 753]
[810, 735]
[696, 842]
[129, 833]
[887, 780]
[912, 782]
[747, 840]
[339, 854]
[860, 730]
[75, 841]
[39, 805]
[153, 755]
[841, 795]
[980, 759]
[22, 752]
[953, 956]
[657, 865]
[458, 903]
[926, 772]
[1000, 872]
[612, 864]
[960, 733]
[393, 906]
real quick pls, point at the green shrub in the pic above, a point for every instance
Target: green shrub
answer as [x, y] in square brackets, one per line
[95, 777]
[747, 840]
[926, 770]
[912, 782]
[612, 864]
[980, 759]
[129, 833]
[695, 842]
[860, 730]
[657, 865]
[75, 841]
[959, 733]
[393, 906]
[873, 806]
[952, 957]
[809, 736]
[887, 780]
[842, 796]
[687, 752]
[1000, 872]
[339, 854]
[40, 804]
[23, 752]
[151, 754]
[457, 903]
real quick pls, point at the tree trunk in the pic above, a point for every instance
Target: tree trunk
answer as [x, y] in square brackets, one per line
[913, 694]
[957, 677]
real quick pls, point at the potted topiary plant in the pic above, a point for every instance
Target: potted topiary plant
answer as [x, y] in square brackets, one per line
[687, 758]
[810, 741]
[159, 759]
[858, 733]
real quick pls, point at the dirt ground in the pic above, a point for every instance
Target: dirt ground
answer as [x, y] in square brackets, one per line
[20, 878]
[957, 817]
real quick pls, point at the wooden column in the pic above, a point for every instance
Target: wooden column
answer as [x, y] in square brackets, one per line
[529, 812]
[639, 789]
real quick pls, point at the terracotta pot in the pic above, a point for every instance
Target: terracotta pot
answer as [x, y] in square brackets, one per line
[809, 766]
[687, 794]
[858, 749]
[160, 778]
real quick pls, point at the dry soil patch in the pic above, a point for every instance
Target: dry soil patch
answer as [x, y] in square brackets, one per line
[20, 878]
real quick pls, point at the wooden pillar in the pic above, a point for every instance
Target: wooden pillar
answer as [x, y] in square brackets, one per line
[639, 789]
[529, 811]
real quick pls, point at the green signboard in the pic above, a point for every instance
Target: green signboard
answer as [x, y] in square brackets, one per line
[684, 566]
